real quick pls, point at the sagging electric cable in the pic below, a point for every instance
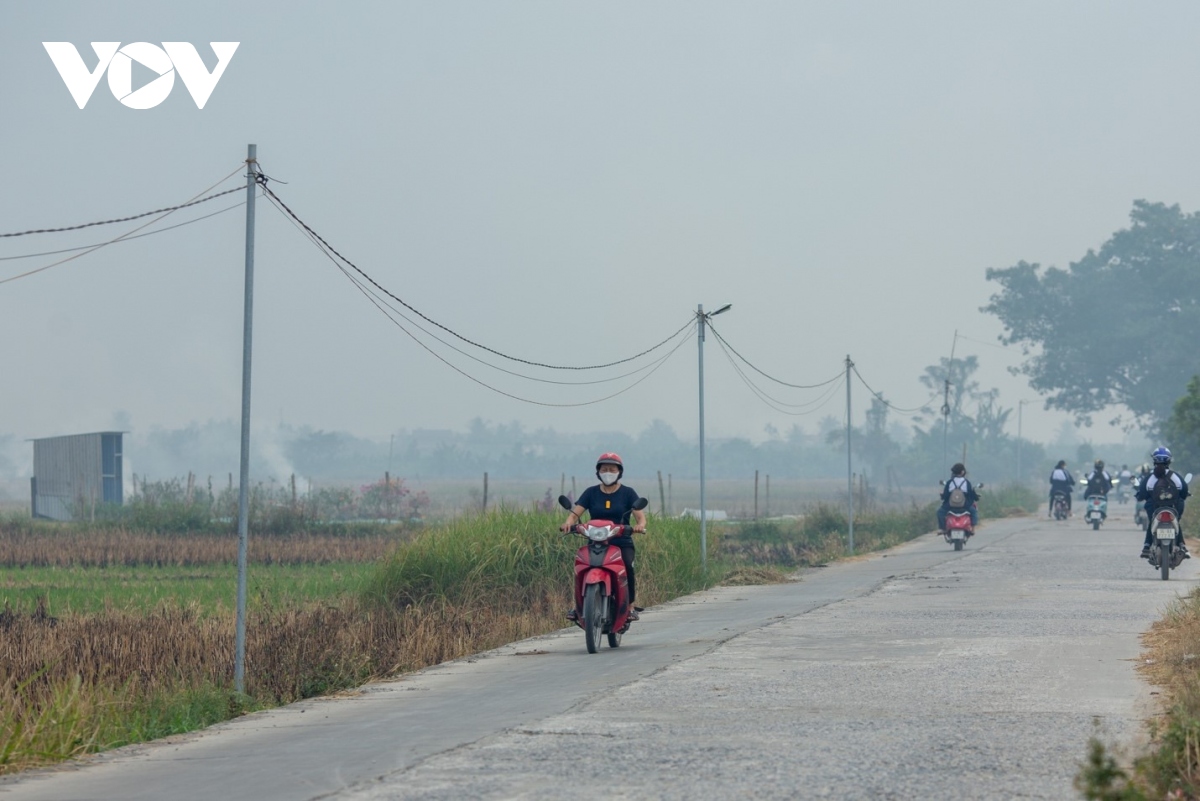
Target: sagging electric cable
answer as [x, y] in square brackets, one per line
[198, 197]
[661, 360]
[762, 392]
[818, 403]
[451, 331]
[384, 305]
[721, 339]
[371, 291]
[125, 239]
[192, 202]
[923, 407]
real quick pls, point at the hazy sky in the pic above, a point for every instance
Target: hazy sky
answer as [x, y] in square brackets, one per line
[565, 182]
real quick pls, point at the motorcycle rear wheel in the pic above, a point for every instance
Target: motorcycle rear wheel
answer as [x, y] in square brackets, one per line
[593, 616]
[958, 545]
[1095, 525]
[1164, 561]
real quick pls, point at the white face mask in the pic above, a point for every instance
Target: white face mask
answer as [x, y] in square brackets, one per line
[608, 479]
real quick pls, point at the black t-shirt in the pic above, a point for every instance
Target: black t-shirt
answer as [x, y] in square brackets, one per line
[616, 507]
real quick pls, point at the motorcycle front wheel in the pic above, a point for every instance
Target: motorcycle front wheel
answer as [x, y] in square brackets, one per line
[593, 616]
[614, 637]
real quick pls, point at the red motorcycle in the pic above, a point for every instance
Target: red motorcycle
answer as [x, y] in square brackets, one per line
[958, 528]
[601, 585]
[958, 525]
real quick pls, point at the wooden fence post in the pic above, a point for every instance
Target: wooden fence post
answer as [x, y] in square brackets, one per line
[755, 494]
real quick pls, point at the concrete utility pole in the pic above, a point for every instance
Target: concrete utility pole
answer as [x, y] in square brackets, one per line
[239, 658]
[701, 322]
[946, 399]
[849, 464]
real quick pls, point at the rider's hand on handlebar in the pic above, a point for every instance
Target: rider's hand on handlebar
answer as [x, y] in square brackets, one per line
[564, 528]
[639, 529]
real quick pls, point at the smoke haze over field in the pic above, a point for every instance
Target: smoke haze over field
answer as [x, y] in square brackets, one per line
[565, 182]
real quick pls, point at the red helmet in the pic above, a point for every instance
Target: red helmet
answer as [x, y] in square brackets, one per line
[610, 458]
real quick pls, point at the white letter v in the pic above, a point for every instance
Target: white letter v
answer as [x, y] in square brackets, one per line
[80, 83]
[198, 80]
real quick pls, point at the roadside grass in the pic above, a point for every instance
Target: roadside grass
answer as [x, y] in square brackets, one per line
[1170, 766]
[820, 536]
[1008, 500]
[510, 557]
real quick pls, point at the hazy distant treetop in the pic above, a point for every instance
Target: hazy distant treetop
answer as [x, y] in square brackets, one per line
[1118, 326]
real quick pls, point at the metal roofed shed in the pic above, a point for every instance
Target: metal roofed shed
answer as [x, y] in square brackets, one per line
[76, 472]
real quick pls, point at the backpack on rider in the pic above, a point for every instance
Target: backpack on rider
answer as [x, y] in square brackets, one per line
[957, 499]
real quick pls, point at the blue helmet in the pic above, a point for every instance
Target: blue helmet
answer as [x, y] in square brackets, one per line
[1161, 456]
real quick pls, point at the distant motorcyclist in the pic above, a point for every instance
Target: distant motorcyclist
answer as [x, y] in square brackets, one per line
[610, 500]
[1061, 482]
[1125, 477]
[1139, 480]
[1098, 483]
[1147, 492]
[958, 495]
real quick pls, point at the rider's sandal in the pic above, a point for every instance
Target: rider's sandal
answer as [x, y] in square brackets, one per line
[573, 616]
[633, 613]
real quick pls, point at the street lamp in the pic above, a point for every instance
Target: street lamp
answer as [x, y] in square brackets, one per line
[701, 321]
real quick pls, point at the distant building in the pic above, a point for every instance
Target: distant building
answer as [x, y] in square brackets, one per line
[76, 472]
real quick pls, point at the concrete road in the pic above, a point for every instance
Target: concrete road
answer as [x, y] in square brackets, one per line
[919, 673]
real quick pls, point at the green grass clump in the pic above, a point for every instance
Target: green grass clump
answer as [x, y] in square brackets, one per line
[511, 557]
[44, 722]
[1008, 500]
[820, 535]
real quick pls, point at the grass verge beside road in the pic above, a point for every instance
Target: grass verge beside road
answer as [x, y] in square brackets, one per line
[1170, 767]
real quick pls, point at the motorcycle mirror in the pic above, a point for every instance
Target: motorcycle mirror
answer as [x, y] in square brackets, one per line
[979, 485]
[640, 504]
[564, 502]
[1187, 479]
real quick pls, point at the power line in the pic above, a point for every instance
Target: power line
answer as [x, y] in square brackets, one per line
[191, 202]
[887, 403]
[818, 403]
[389, 310]
[766, 375]
[1008, 348]
[762, 392]
[135, 216]
[499, 391]
[124, 239]
[450, 331]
